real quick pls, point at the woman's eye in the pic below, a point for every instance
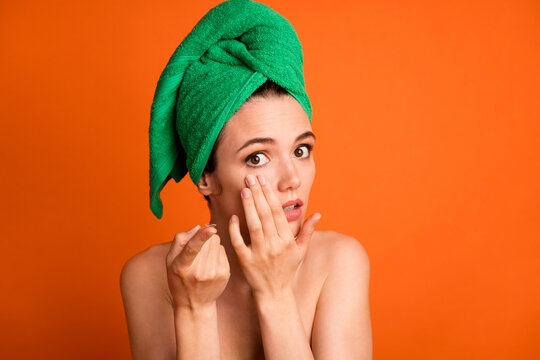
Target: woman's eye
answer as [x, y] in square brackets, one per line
[257, 159]
[302, 152]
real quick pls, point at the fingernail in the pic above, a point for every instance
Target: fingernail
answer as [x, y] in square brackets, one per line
[250, 180]
[262, 180]
[234, 218]
[245, 193]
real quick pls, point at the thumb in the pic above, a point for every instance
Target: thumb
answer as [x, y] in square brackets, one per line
[304, 237]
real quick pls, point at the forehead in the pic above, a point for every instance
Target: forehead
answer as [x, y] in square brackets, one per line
[278, 117]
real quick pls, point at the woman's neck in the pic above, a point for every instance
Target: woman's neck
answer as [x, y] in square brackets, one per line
[237, 282]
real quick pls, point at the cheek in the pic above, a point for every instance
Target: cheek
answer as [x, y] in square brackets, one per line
[230, 179]
[231, 189]
[309, 175]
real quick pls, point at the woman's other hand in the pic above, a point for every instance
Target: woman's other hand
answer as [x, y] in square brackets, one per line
[271, 261]
[197, 268]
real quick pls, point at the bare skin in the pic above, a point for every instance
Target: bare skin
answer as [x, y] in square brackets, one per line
[315, 304]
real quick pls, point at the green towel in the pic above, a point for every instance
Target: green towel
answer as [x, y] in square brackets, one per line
[231, 51]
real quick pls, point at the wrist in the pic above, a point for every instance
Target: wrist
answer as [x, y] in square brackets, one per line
[273, 299]
[196, 309]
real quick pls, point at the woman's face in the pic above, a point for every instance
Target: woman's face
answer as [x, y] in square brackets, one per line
[284, 157]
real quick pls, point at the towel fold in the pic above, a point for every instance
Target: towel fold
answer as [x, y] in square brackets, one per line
[231, 51]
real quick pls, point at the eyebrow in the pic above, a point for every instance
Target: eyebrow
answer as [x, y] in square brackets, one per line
[272, 141]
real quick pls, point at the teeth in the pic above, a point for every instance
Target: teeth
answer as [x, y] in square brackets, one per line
[289, 208]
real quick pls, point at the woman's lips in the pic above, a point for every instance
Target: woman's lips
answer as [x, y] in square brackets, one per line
[294, 213]
[295, 202]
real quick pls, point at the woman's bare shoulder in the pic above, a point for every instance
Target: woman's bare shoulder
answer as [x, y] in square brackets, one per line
[147, 304]
[149, 267]
[151, 258]
[342, 323]
[334, 247]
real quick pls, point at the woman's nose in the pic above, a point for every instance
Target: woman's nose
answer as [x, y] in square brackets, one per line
[288, 177]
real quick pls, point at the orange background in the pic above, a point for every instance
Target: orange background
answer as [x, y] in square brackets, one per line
[427, 121]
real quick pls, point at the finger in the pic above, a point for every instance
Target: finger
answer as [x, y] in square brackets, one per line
[263, 209]
[178, 243]
[194, 245]
[280, 220]
[239, 246]
[213, 255]
[254, 225]
[303, 238]
[223, 260]
[201, 264]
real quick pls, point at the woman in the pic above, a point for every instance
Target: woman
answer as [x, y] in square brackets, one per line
[258, 283]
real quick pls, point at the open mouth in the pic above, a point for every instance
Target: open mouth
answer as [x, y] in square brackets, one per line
[292, 204]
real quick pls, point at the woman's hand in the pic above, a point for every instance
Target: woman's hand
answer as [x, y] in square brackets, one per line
[271, 261]
[197, 268]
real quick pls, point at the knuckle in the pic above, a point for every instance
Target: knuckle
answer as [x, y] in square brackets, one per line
[256, 228]
[176, 270]
[199, 276]
[223, 275]
[223, 271]
[178, 237]
[274, 252]
[181, 274]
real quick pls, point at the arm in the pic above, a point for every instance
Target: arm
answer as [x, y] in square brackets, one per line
[282, 330]
[149, 314]
[197, 333]
[342, 324]
[157, 330]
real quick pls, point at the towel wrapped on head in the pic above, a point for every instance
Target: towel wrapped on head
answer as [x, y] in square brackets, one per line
[236, 47]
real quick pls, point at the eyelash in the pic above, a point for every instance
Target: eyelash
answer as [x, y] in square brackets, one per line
[309, 147]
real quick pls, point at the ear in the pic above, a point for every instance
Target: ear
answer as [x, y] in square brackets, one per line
[207, 184]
